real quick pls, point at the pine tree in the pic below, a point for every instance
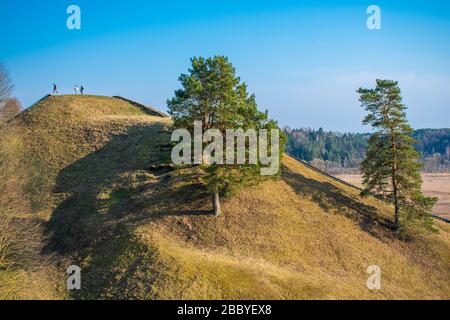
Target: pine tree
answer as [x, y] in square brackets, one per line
[211, 93]
[391, 167]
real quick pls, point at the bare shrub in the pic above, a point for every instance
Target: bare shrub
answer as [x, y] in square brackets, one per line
[5, 83]
[9, 109]
[21, 239]
[21, 243]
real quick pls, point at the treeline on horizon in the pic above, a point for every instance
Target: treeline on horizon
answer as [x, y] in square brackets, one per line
[337, 152]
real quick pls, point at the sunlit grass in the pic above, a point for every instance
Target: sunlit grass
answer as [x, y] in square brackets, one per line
[85, 166]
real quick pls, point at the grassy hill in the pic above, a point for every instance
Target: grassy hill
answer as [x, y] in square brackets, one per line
[88, 170]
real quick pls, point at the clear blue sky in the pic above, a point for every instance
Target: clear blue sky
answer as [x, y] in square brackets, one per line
[302, 59]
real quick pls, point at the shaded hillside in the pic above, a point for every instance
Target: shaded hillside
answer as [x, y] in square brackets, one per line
[91, 169]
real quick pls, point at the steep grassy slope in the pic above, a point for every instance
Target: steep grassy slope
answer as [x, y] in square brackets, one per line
[90, 169]
[46, 138]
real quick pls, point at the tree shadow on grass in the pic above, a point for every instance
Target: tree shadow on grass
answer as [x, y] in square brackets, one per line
[329, 198]
[103, 193]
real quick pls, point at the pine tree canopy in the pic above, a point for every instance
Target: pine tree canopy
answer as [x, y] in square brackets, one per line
[212, 93]
[391, 167]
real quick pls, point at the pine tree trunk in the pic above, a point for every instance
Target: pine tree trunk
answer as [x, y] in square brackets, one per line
[216, 203]
[394, 183]
[396, 206]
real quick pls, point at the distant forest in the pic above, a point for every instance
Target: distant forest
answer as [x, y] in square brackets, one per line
[337, 152]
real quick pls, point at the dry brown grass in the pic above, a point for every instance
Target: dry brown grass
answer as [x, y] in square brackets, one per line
[282, 241]
[139, 233]
[21, 242]
[35, 147]
[434, 184]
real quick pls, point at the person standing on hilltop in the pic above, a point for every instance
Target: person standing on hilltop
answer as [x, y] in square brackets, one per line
[76, 89]
[81, 89]
[55, 89]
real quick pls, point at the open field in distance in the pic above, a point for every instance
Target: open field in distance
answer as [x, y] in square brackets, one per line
[434, 184]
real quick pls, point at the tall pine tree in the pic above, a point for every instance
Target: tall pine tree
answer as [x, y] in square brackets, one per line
[213, 94]
[391, 167]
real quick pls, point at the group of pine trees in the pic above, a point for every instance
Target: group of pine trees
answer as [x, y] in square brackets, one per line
[346, 150]
[341, 151]
[213, 94]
